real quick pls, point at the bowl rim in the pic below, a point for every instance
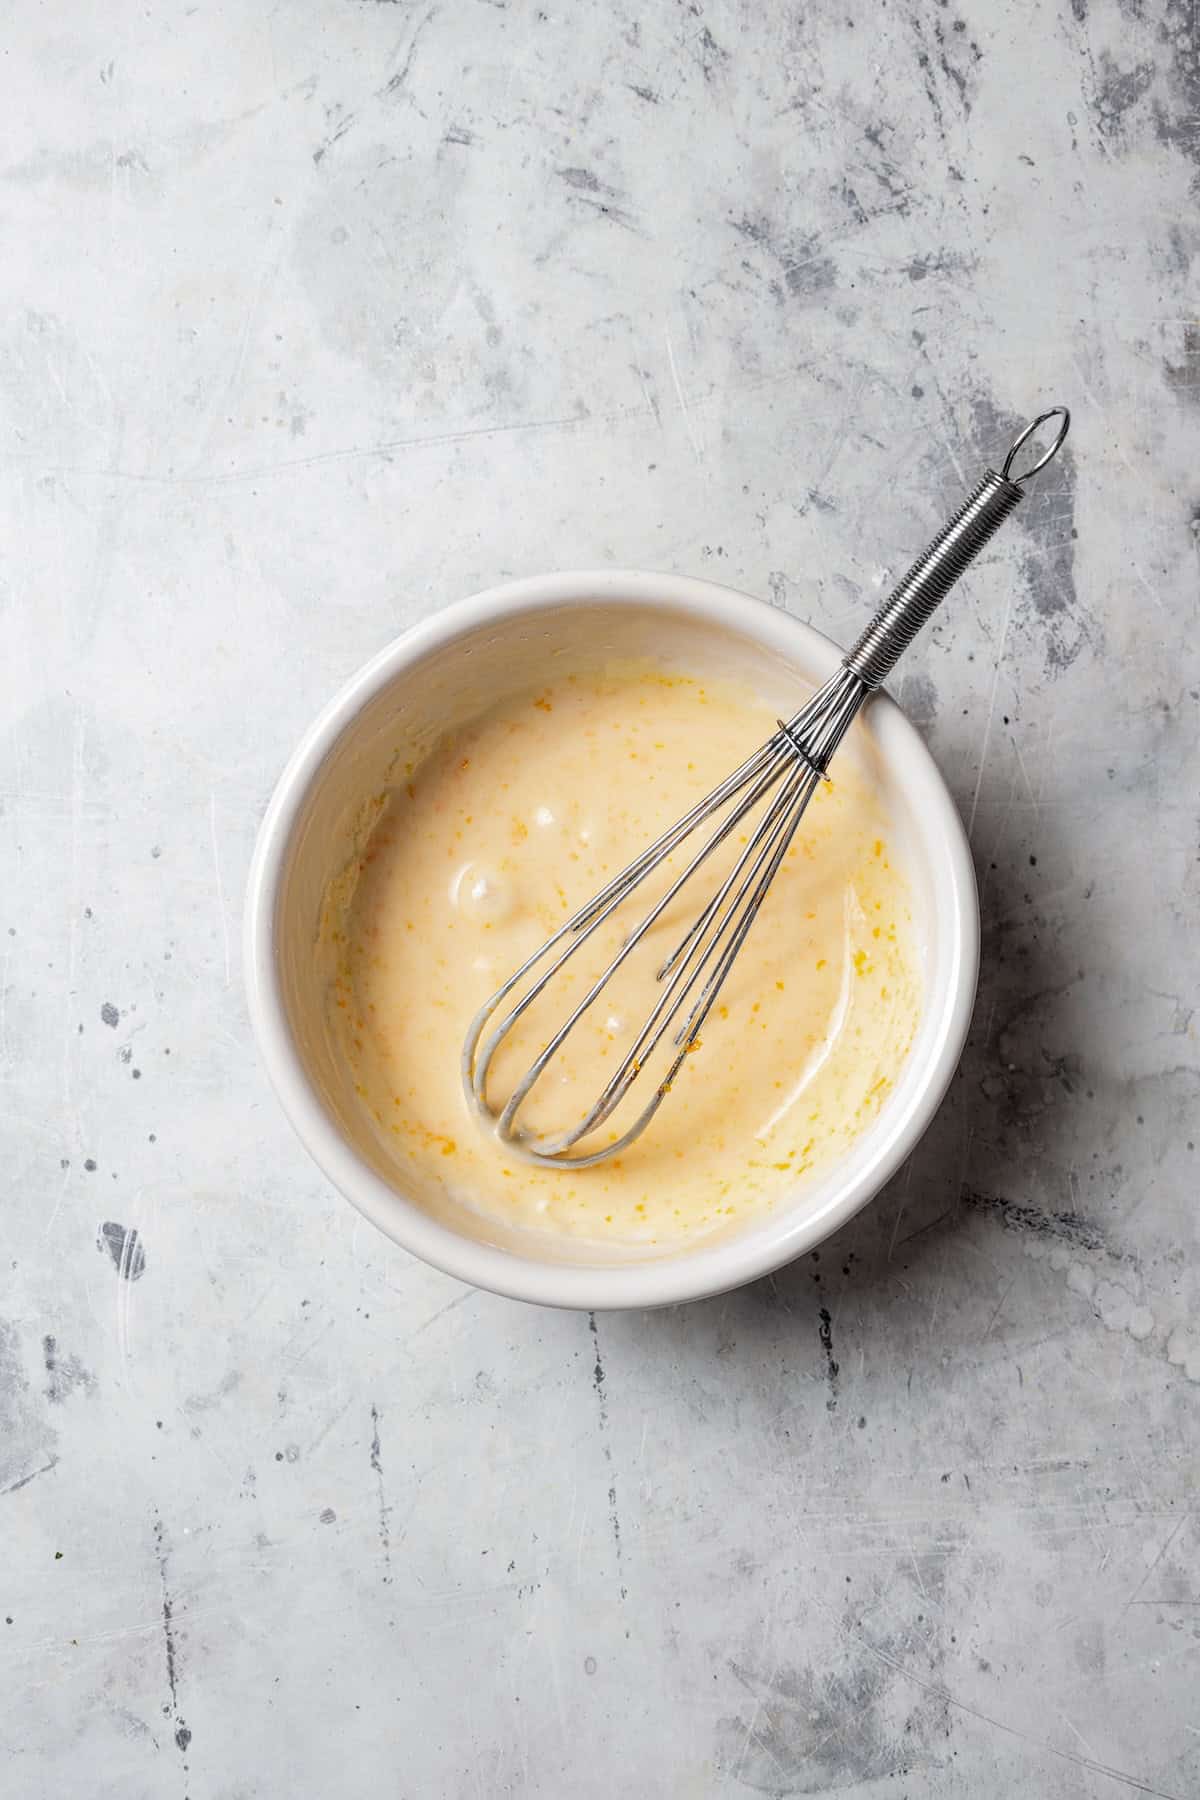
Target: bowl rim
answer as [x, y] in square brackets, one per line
[694, 1273]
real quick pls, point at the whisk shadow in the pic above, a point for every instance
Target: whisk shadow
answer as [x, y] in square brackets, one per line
[998, 1120]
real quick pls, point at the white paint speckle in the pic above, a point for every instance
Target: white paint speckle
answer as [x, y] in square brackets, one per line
[1183, 1352]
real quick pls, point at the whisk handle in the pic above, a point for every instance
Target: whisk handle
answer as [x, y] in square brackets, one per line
[915, 599]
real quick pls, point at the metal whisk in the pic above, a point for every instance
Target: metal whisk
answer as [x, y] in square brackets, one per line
[789, 767]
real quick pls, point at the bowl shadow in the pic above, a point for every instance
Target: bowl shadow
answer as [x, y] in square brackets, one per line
[996, 1137]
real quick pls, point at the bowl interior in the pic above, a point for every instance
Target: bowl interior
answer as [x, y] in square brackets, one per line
[395, 713]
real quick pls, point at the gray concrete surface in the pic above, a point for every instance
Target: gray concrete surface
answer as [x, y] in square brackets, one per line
[315, 317]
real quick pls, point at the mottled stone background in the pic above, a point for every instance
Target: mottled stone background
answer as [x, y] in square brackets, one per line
[315, 317]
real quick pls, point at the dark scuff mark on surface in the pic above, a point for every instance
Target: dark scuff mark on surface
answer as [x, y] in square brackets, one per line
[807, 271]
[1067, 1227]
[1045, 522]
[888, 174]
[598, 1369]
[1175, 123]
[131, 1727]
[919, 697]
[15, 1487]
[109, 1015]
[195, 1403]
[950, 53]
[821, 503]
[27, 1445]
[385, 1511]
[1184, 378]
[124, 1247]
[848, 195]
[614, 1516]
[397, 82]
[617, 214]
[939, 262]
[925, 65]
[1118, 91]
[832, 1367]
[711, 55]
[646, 379]
[589, 190]
[168, 1612]
[1049, 562]
[950, 58]
[836, 1725]
[66, 1373]
[584, 180]
[340, 125]
[958, 79]
[183, 1736]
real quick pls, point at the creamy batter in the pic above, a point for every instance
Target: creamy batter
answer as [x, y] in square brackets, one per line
[483, 850]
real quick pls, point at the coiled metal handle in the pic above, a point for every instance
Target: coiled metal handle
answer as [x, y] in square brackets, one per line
[915, 599]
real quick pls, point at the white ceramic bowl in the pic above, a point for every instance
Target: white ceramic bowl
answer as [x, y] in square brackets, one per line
[443, 672]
